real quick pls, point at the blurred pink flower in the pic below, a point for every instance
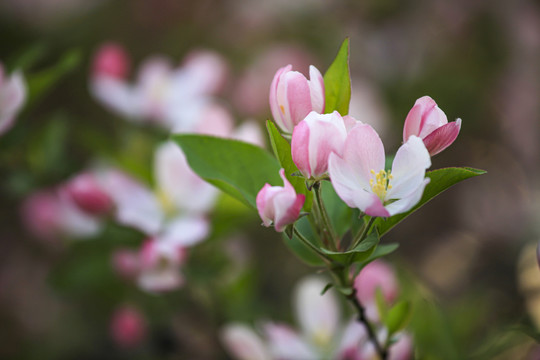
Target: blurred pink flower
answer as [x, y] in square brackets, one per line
[126, 263]
[128, 327]
[12, 98]
[361, 181]
[111, 60]
[429, 123]
[169, 97]
[160, 262]
[279, 205]
[293, 97]
[376, 275]
[322, 334]
[88, 194]
[51, 214]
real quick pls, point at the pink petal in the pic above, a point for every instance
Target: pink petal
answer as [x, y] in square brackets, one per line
[376, 208]
[185, 230]
[300, 148]
[412, 122]
[442, 137]
[316, 86]
[365, 150]
[298, 97]
[277, 113]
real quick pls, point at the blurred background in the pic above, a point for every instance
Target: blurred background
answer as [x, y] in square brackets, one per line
[470, 253]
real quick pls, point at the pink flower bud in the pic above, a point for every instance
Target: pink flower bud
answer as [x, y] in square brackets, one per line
[88, 195]
[128, 327]
[279, 205]
[292, 96]
[429, 123]
[111, 60]
[376, 275]
[41, 214]
[315, 138]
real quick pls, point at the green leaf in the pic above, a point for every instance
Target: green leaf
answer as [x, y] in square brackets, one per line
[326, 288]
[42, 82]
[380, 301]
[282, 150]
[303, 252]
[238, 168]
[337, 82]
[441, 179]
[360, 253]
[398, 317]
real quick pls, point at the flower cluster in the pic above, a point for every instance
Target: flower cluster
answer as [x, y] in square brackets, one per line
[350, 152]
[321, 334]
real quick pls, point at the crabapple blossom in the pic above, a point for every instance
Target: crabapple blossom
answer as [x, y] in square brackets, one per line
[111, 60]
[375, 275]
[12, 97]
[315, 138]
[279, 205]
[361, 181]
[322, 334]
[89, 195]
[160, 262]
[49, 214]
[293, 97]
[427, 121]
[128, 326]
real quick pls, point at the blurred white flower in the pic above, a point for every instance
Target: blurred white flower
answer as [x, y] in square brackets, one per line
[12, 97]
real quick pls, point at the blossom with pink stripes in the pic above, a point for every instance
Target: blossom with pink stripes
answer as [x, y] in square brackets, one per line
[427, 121]
[292, 96]
[315, 138]
[361, 181]
[279, 205]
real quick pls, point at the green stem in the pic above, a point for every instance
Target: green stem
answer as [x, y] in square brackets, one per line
[328, 229]
[362, 234]
[311, 246]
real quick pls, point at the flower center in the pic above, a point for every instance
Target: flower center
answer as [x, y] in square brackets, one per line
[380, 185]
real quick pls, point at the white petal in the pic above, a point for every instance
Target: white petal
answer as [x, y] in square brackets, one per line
[405, 204]
[409, 168]
[185, 231]
[117, 96]
[285, 343]
[135, 204]
[243, 343]
[178, 184]
[318, 315]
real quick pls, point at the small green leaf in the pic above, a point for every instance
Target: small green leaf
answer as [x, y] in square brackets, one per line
[359, 254]
[337, 82]
[441, 179]
[303, 252]
[398, 317]
[347, 291]
[380, 251]
[326, 288]
[382, 306]
[238, 168]
[282, 150]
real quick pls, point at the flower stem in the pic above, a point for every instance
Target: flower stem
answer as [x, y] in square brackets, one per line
[328, 229]
[382, 351]
[311, 246]
[362, 234]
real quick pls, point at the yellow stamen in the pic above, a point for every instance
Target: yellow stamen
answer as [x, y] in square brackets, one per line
[282, 108]
[381, 184]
